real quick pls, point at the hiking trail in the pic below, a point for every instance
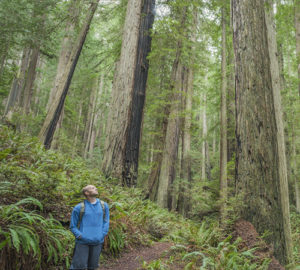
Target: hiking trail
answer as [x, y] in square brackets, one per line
[133, 259]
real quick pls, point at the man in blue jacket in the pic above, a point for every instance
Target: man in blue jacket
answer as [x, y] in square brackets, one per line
[89, 230]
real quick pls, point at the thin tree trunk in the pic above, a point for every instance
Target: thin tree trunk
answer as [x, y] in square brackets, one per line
[98, 114]
[214, 143]
[77, 129]
[170, 152]
[205, 147]
[259, 156]
[185, 189]
[91, 117]
[14, 98]
[93, 137]
[157, 158]
[158, 145]
[169, 155]
[223, 127]
[231, 142]
[38, 90]
[297, 26]
[30, 78]
[49, 126]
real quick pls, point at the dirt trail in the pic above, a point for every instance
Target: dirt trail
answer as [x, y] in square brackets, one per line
[133, 259]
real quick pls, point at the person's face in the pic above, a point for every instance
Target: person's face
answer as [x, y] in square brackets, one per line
[92, 191]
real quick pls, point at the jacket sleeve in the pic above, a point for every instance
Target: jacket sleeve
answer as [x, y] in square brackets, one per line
[74, 222]
[106, 220]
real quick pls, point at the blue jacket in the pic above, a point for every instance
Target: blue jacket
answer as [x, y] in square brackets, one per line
[93, 228]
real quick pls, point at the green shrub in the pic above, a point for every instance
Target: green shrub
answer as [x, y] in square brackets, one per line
[28, 240]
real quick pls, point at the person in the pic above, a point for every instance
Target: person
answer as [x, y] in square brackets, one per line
[90, 231]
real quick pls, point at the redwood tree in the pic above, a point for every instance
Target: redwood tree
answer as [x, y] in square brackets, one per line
[128, 94]
[259, 161]
[48, 129]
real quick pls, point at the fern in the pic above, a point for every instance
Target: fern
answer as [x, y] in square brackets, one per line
[31, 234]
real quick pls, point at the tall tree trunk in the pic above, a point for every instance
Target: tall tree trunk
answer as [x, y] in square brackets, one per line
[170, 151]
[158, 142]
[91, 117]
[64, 58]
[130, 167]
[14, 97]
[77, 129]
[97, 112]
[231, 142]
[297, 26]
[66, 48]
[223, 127]
[259, 160]
[282, 164]
[30, 78]
[169, 155]
[38, 89]
[205, 148]
[49, 126]
[128, 94]
[186, 176]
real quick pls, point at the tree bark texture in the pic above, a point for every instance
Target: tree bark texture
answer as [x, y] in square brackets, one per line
[183, 205]
[14, 98]
[31, 74]
[130, 170]
[128, 95]
[91, 116]
[50, 123]
[159, 141]
[66, 48]
[223, 120]
[77, 129]
[258, 179]
[205, 147]
[97, 112]
[169, 155]
[282, 163]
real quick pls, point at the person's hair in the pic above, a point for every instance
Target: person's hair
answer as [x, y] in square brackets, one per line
[85, 189]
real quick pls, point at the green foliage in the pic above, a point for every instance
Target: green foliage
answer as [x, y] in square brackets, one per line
[32, 240]
[295, 224]
[154, 265]
[28, 230]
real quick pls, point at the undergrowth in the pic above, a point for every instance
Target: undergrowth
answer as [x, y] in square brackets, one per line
[38, 189]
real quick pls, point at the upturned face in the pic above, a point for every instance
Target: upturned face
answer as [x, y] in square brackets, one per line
[92, 191]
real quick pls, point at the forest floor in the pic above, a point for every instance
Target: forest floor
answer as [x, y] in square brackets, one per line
[251, 239]
[133, 259]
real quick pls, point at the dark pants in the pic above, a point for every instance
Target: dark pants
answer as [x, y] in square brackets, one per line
[86, 256]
